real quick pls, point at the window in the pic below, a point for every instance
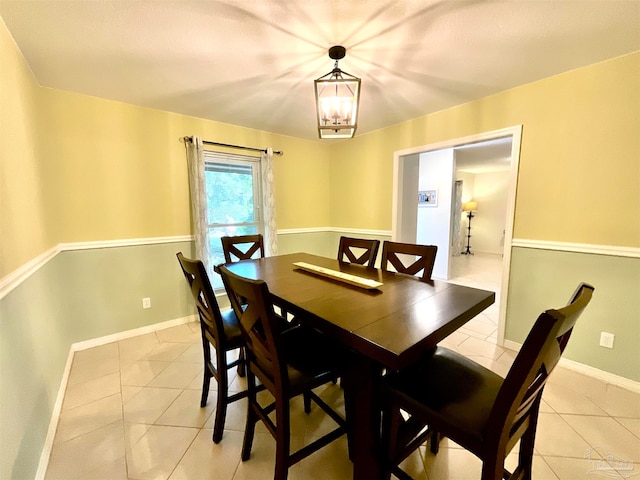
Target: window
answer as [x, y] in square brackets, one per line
[234, 201]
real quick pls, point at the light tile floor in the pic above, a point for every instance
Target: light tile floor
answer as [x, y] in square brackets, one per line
[131, 411]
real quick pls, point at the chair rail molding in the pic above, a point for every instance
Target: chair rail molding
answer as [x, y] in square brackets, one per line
[15, 278]
[19, 275]
[22, 273]
[611, 250]
[357, 231]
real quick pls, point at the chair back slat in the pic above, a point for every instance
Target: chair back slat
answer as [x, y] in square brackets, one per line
[540, 353]
[358, 250]
[417, 258]
[202, 292]
[242, 247]
[257, 339]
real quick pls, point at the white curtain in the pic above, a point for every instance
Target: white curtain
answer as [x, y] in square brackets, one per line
[197, 186]
[268, 203]
[457, 240]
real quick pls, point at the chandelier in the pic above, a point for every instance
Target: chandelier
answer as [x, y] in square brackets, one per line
[337, 100]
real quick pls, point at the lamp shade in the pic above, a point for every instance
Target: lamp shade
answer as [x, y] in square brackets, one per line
[337, 100]
[470, 206]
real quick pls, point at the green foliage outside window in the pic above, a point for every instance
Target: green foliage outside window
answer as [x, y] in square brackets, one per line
[231, 209]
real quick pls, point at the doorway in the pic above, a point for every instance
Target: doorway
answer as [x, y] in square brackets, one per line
[405, 220]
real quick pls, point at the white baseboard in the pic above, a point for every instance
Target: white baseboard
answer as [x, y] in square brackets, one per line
[53, 423]
[587, 370]
[75, 347]
[598, 374]
[96, 342]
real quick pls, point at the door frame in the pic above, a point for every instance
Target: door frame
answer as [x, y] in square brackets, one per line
[515, 132]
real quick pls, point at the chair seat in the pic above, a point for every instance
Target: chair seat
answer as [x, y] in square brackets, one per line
[311, 358]
[463, 397]
[231, 328]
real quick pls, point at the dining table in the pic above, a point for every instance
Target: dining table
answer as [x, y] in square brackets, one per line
[387, 320]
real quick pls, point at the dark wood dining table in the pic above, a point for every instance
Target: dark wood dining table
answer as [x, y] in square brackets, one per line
[387, 328]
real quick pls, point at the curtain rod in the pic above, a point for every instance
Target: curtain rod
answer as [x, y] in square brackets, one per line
[207, 142]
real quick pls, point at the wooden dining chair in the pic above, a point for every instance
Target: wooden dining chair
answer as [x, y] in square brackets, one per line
[288, 363]
[242, 247]
[484, 413]
[358, 250]
[409, 258]
[221, 331]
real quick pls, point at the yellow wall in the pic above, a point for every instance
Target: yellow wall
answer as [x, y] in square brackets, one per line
[25, 212]
[122, 170]
[579, 178]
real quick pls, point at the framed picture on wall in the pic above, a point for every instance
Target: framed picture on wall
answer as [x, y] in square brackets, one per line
[428, 198]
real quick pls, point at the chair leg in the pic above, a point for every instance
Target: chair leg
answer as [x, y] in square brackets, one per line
[249, 431]
[221, 407]
[252, 418]
[206, 382]
[434, 442]
[307, 402]
[527, 441]
[206, 352]
[283, 439]
[389, 438]
[242, 368]
[223, 393]
[492, 467]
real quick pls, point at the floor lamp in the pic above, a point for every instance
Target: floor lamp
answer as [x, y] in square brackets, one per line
[469, 207]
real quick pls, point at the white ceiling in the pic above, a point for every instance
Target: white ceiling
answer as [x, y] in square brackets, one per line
[252, 62]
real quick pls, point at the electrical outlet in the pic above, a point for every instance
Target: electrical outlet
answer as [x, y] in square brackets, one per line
[606, 339]
[146, 302]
